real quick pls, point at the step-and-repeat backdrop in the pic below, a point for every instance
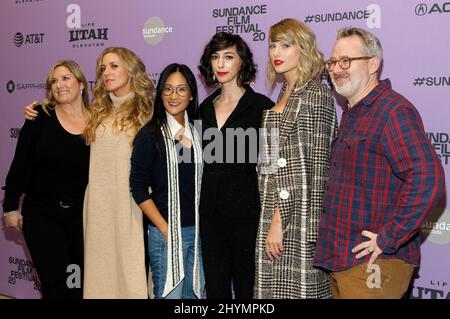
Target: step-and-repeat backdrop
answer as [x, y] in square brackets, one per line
[36, 33]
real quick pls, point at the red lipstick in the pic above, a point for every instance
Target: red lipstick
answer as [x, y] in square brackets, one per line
[278, 62]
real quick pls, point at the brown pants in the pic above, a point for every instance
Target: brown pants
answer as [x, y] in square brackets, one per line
[385, 279]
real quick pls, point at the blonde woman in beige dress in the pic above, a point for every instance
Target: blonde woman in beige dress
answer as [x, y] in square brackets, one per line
[113, 229]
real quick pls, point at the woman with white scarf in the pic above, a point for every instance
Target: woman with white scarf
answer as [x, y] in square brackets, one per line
[166, 170]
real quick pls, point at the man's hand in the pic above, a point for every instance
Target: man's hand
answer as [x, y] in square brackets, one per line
[368, 247]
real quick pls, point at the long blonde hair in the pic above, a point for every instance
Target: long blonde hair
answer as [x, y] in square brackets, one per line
[135, 112]
[74, 68]
[310, 64]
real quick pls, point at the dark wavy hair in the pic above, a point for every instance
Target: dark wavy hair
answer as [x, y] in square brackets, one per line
[159, 118]
[221, 41]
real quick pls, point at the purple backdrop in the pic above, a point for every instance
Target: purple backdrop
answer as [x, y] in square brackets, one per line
[36, 33]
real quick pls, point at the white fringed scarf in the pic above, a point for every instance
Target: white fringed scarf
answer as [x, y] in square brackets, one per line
[175, 263]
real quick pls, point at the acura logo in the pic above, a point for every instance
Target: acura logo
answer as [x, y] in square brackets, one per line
[421, 9]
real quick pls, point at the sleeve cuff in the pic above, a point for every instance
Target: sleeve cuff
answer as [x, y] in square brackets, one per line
[384, 245]
[139, 198]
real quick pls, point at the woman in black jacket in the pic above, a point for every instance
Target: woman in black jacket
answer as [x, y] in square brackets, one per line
[229, 205]
[50, 167]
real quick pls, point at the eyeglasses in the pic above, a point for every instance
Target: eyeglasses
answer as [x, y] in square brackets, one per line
[182, 91]
[344, 62]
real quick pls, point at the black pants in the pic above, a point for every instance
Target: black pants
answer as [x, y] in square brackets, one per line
[228, 247]
[53, 231]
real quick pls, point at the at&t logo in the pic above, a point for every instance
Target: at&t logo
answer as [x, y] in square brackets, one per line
[32, 38]
[18, 39]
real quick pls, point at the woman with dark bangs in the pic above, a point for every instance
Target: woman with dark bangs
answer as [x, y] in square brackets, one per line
[229, 205]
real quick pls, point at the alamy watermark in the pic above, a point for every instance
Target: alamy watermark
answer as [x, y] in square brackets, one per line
[374, 279]
[236, 145]
[74, 278]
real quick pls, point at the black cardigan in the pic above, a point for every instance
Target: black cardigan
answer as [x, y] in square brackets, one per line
[149, 169]
[231, 189]
[49, 163]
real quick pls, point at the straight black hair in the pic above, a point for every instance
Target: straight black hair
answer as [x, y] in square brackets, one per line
[159, 119]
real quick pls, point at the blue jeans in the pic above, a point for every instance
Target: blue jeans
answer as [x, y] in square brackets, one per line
[157, 247]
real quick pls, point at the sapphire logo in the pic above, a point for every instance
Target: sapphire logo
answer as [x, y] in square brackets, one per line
[18, 39]
[421, 9]
[10, 87]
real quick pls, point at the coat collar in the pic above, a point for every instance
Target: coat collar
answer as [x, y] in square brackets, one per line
[243, 104]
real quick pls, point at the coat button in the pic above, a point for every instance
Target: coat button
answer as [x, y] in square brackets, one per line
[284, 194]
[281, 162]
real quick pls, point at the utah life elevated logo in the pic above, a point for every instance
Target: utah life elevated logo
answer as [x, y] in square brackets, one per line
[83, 35]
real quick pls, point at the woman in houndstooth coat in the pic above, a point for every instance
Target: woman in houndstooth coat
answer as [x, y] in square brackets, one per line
[293, 168]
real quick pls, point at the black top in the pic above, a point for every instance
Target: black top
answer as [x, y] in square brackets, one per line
[229, 183]
[149, 169]
[49, 163]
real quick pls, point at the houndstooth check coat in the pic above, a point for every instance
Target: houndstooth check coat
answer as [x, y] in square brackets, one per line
[295, 181]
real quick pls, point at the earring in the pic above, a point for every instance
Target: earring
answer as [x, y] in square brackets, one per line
[214, 78]
[81, 91]
[191, 98]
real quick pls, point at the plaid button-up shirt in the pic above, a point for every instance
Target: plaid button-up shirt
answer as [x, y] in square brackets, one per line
[385, 177]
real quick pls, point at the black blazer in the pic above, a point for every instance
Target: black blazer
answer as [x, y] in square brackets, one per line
[230, 188]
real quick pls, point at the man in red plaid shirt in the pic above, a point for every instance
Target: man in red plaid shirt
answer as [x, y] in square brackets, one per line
[384, 179]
